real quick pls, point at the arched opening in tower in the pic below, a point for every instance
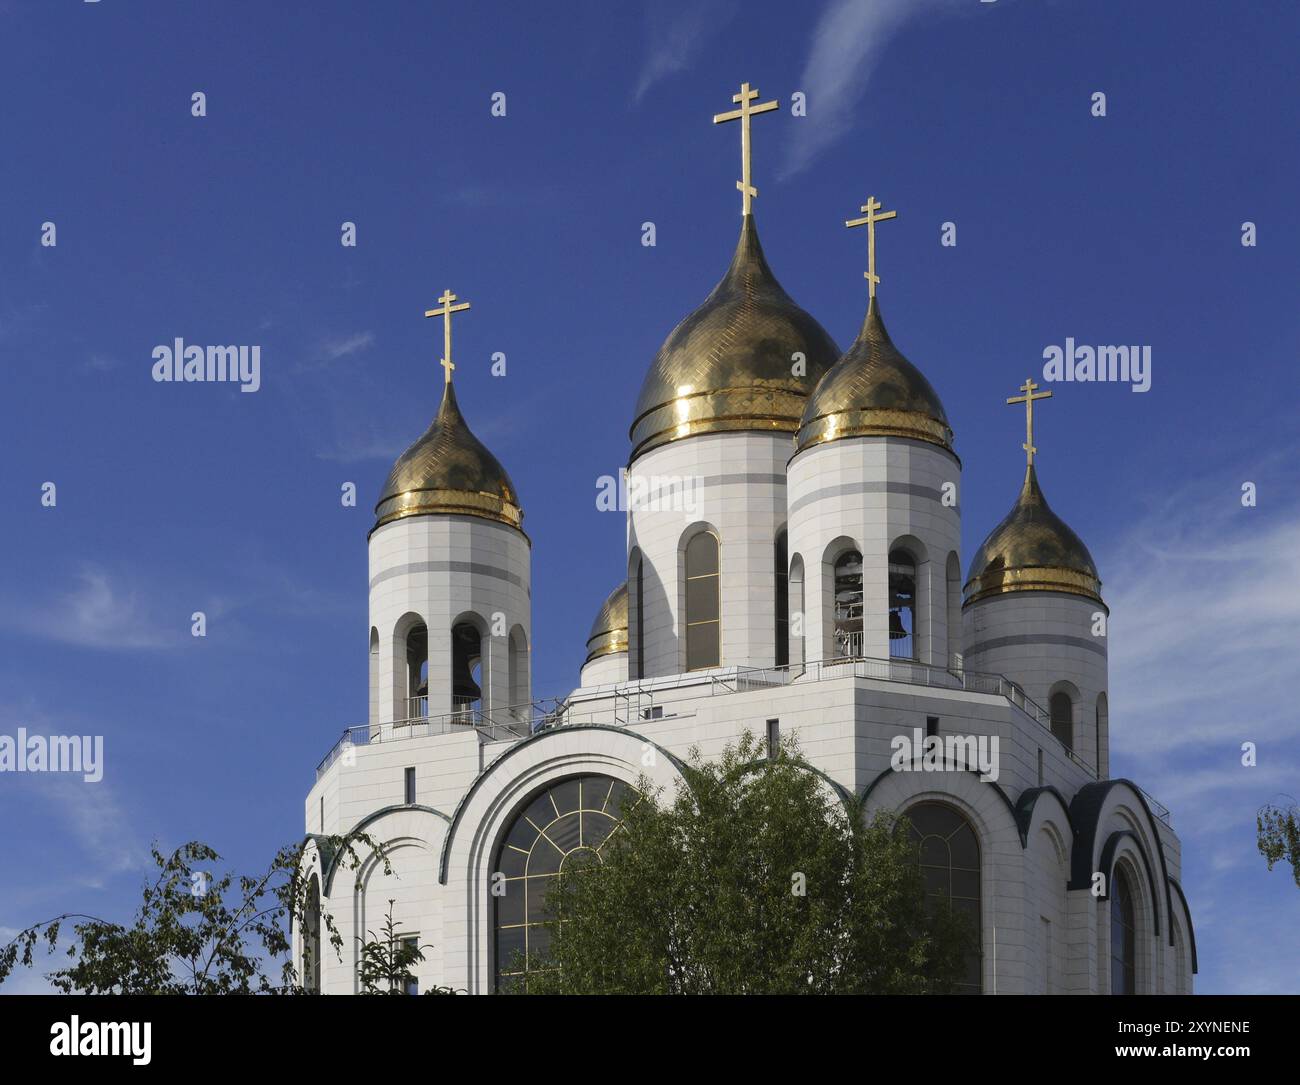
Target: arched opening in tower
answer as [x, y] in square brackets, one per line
[466, 670]
[902, 605]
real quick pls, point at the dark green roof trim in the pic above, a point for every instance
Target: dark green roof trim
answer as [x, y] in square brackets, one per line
[1085, 810]
[1191, 932]
[974, 772]
[676, 762]
[375, 816]
[1107, 867]
[1025, 811]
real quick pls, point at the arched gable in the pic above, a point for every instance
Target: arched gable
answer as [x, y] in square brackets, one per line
[1090, 812]
[1187, 919]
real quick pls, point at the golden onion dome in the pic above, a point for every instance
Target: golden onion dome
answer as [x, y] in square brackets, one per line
[873, 391]
[1032, 549]
[448, 471]
[728, 366]
[609, 630]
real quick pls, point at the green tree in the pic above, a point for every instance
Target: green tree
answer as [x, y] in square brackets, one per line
[756, 878]
[1279, 835]
[194, 933]
[388, 959]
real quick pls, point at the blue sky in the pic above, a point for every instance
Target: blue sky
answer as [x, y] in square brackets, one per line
[225, 229]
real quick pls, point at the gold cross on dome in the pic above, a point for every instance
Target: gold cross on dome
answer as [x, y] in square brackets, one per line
[445, 312]
[869, 221]
[1028, 400]
[746, 95]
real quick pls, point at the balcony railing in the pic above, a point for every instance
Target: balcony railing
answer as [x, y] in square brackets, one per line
[630, 701]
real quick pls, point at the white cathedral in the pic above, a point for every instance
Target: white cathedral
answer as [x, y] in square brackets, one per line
[793, 569]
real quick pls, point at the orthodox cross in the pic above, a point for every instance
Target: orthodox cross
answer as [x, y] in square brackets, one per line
[445, 312]
[1028, 400]
[746, 95]
[869, 221]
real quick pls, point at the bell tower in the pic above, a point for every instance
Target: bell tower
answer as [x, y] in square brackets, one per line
[1034, 613]
[450, 610]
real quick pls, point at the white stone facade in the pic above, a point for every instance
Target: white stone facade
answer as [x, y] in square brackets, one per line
[1046, 827]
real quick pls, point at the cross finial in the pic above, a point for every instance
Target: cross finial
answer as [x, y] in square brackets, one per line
[1028, 400]
[869, 221]
[746, 95]
[445, 312]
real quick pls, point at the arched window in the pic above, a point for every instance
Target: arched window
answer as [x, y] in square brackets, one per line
[466, 662]
[782, 573]
[1061, 709]
[902, 605]
[311, 938]
[640, 618]
[1123, 936]
[950, 866]
[952, 587]
[417, 672]
[798, 636]
[518, 661]
[1103, 727]
[703, 605]
[567, 824]
[848, 605]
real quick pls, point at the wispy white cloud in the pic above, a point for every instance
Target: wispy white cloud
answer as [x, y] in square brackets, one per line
[675, 38]
[1205, 622]
[343, 346]
[98, 610]
[846, 46]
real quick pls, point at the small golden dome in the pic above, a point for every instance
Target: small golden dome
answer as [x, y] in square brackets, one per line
[449, 471]
[873, 391]
[1032, 549]
[609, 630]
[728, 365]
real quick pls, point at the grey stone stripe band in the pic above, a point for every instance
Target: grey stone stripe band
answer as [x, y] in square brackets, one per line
[449, 567]
[745, 480]
[1088, 644]
[912, 489]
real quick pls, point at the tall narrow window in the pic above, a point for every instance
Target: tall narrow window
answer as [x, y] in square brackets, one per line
[848, 605]
[703, 606]
[1123, 936]
[950, 866]
[311, 939]
[902, 605]
[410, 786]
[782, 573]
[773, 739]
[640, 618]
[1061, 710]
[411, 984]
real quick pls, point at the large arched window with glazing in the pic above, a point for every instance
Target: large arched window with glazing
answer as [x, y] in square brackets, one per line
[950, 867]
[848, 605]
[703, 603]
[569, 823]
[1123, 935]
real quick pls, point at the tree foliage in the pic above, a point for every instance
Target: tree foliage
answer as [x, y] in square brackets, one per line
[387, 961]
[194, 933]
[756, 878]
[1279, 835]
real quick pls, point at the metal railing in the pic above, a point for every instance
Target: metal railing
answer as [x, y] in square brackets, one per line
[630, 700]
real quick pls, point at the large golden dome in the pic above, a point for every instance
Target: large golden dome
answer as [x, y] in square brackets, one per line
[1032, 549]
[728, 365]
[449, 471]
[873, 391]
[609, 630]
